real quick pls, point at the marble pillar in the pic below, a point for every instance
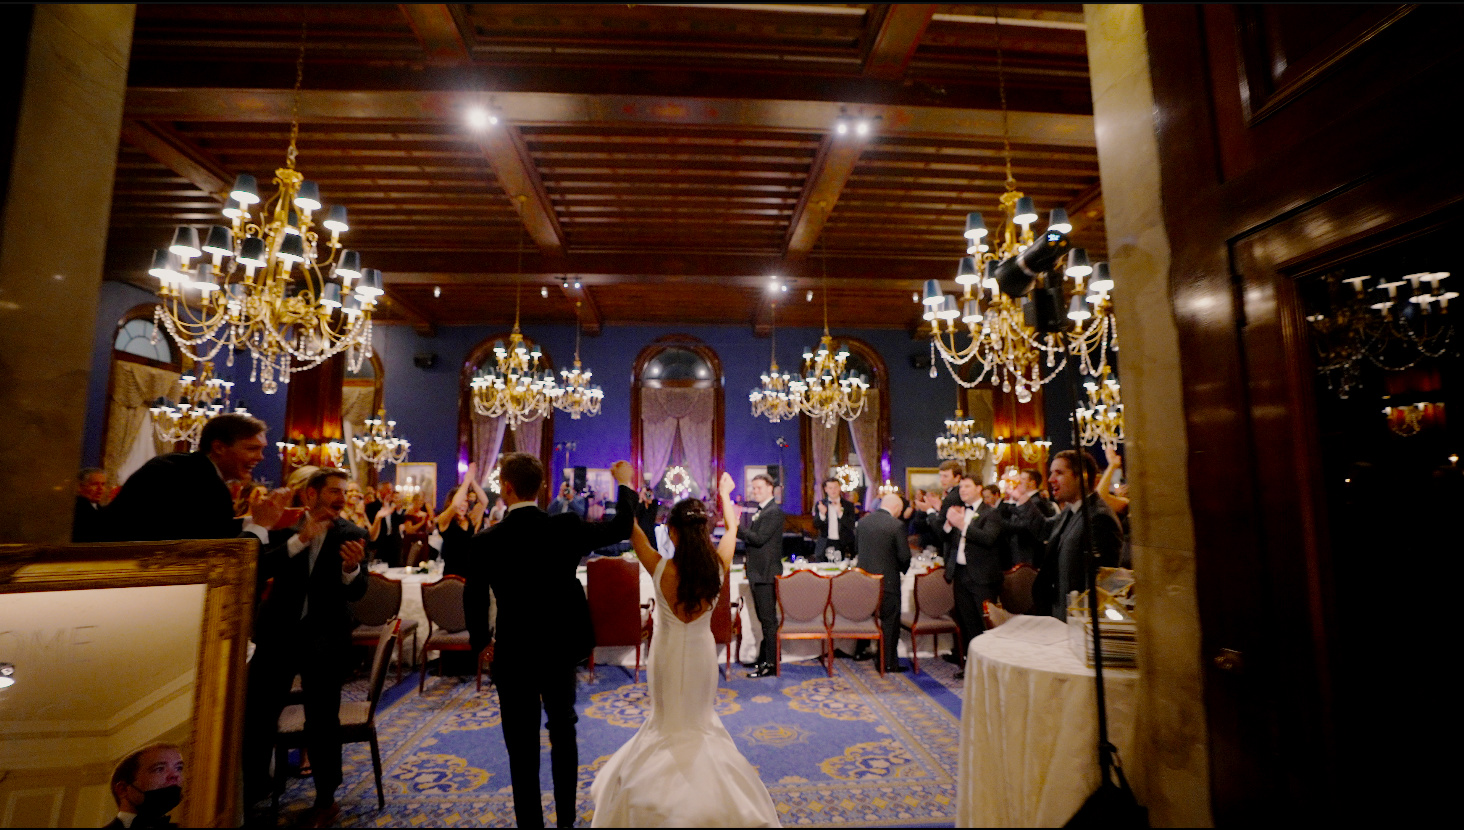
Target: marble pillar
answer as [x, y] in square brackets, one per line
[1173, 764]
[51, 249]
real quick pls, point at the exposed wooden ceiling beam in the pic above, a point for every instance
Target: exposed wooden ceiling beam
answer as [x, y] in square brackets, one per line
[830, 172]
[505, 150]
[257, 106]
[414, 314]
[165, 146]
[591, 322]
[900, 28]
[438, 31]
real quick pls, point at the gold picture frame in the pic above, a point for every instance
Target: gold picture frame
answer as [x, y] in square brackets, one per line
[84, 600]
[423, 475]
[922, 478]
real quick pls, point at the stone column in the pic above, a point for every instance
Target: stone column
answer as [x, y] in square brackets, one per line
[56, 209]
[1172, 743]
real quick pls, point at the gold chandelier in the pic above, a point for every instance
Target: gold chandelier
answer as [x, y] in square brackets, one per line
[576, 395]
[262, 283]
[830, 390]
[380, 445]
[780, 397]
[1100, 419]
[962, 441]
[200, 397]
[517, 389]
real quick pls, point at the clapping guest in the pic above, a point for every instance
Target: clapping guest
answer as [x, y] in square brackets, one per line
[147, 785]
[1063, 566]
[386, 525]
[248, 496]
[87, 521]
[974, 568]
[355, 510]
[1027, 517]
[834, 518]
[460, 521]
[303, 628]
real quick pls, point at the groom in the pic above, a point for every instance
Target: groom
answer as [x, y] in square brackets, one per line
[529, 561]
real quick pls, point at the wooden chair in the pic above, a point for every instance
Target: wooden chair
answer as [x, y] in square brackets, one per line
[358, 721]
[447, 626]
[727, 621]
[934, 599]
[804, 613]
[854, 596]
[616, 612]
[381, 605]
[1016, 588]
[994, 614]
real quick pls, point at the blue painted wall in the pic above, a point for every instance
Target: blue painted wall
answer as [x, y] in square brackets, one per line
[424, 402]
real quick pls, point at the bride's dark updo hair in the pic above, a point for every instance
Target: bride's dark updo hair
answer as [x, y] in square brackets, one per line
[698, 567]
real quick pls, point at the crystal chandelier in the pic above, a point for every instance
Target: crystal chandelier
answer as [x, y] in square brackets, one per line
[262, 283]
[380, 445]
[780, 397]
[1100, 418]
[1392, 324]
[1008, 351]
[962, 441]
[1095, 329]
[516, 389]
[576, 395]
[199, 398]
[298, 452]
[1029, 450]
[830, 390]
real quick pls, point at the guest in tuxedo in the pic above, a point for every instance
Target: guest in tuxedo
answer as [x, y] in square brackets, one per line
[303, 627]
[884, 549]
[975, 567]
[834, 517]
[763, 535]
[528, 563]
[87, 523]
[147, 785]
[561, 504]
[646, 511]
[1064, 566]
[1027, 517]
[938, 505]
[185, 495]
[386, 520]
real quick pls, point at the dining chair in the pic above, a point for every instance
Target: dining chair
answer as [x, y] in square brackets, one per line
[934, 599]
[854, 596]
[381, 604]
[447, 626]
[804, 614]
[619, 618]
[727, 621]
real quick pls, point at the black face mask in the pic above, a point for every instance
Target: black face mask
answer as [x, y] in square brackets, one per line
[159, 802]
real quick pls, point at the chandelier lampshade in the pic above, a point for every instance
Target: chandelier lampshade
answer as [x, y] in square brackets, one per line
[380, 445]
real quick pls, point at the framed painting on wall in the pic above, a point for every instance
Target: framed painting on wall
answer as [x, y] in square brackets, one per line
[922, 478]
[417, 479]
[773, 471]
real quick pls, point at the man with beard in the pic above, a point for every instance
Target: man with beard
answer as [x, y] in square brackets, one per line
[304, 627]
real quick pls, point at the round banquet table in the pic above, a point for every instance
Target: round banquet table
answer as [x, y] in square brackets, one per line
[1029, 726]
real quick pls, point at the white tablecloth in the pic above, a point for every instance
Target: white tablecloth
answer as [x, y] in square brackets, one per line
[412, 602]
[1029, 726]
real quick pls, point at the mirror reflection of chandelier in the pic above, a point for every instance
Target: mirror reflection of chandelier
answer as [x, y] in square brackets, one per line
[262, 283]
[575, 394]
[1100, 418]
[780, 397]
[200, 397]
[1391, 323]
[380, 445]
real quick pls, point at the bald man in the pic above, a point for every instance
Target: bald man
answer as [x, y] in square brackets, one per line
[884, 549]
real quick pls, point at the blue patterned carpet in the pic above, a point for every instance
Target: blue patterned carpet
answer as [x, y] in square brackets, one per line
[851, 750]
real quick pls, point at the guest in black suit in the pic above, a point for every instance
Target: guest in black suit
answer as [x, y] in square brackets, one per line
[87, 522]
[1064, 565]
[147, 785]
[975, 568]
[834, 518]
[304, 627]
[645, 513]
[1028, 512]
[186, 495]
[763, 536]
[937, 508]
[528, 562]
[884, 548]
[386, 535]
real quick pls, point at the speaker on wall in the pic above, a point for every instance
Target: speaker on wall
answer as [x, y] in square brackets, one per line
[425, 360]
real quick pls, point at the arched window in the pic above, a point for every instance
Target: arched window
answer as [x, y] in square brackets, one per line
[141, 372]
[361, 398]
[484, 440]
[677, 413]
[863, 444]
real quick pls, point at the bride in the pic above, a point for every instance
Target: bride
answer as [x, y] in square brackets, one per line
[682, 768]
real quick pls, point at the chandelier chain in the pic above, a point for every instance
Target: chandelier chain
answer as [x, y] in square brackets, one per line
[295, 98]
[1006, 142]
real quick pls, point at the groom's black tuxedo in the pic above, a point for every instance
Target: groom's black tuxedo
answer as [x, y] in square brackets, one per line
[764, 537]
[528, 560]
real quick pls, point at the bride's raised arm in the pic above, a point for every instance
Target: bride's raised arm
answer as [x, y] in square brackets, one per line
[645, 549]
[728, 545]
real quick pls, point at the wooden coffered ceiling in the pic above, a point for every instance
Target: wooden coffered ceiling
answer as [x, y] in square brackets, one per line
[669, 157]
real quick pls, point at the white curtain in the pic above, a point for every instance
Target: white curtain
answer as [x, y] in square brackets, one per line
[143, 448]
[822, 440]
[487, 442]
[865, 432]
[356, 402]
[664, 413]
[129, 425]
[529, 437]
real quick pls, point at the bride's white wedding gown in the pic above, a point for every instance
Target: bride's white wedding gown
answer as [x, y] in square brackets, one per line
[682, 768]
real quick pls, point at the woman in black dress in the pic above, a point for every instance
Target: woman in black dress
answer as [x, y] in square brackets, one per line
[460, 520]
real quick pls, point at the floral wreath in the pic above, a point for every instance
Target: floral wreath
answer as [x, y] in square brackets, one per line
[491, 483]
[848, 477]
[678, 481]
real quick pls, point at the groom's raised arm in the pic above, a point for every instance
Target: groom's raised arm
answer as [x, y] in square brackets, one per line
[592, 536]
